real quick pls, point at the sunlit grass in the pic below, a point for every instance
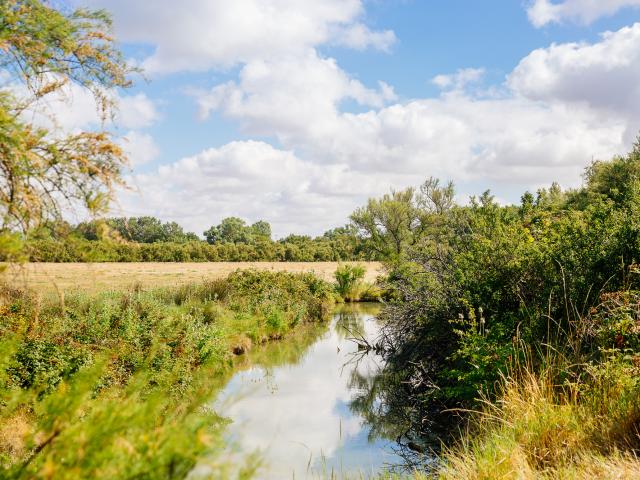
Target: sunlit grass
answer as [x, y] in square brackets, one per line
[537, 429]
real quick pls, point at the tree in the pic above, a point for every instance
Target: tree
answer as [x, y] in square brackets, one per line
[261, 230]
[236, 230]
[398, 220]
[390, 223]
[434, 198]
[230, 230]
[616, 179]
[44, 171]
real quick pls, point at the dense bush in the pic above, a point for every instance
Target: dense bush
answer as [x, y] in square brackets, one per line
[349, 283]
[483, 280]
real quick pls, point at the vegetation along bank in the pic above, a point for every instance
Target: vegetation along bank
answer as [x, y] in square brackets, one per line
[519, 324]
[112, 385]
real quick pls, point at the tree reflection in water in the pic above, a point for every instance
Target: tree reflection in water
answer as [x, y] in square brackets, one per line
[385, 402]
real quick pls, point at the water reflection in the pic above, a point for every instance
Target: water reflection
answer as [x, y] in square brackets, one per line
[293, 402]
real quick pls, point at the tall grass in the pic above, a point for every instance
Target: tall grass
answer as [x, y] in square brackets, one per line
[548, 425]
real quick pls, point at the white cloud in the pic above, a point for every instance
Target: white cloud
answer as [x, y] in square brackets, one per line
[136, 111]
[460, 79]
[252, 180]
[200, 35]
[73, 108]
[359, 37]
[543, 12]
[291, 96]
[139, 147]
[604, 76]
[509, 142]
[456, 135]
[561, 107]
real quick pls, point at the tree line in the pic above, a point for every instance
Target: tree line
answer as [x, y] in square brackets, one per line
[148, 239]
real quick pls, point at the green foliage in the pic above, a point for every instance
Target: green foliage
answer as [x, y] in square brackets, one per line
[133, 229]
[71, 248]
[235, 230]
[399, 220]
[349, 281]
[482, 280]
[45, 50]
[112, 385]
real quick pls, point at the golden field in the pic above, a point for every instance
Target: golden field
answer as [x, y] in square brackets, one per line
[49, 277]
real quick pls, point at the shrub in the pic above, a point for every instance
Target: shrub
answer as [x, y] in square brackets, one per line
[349, 281]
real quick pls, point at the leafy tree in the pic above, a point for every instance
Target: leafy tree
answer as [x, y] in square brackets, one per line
[236, 230]
[261, 230]
[398, 220]
[615, 179]
[43, 170]
[484, 279]
[230, 230]
[134, 229]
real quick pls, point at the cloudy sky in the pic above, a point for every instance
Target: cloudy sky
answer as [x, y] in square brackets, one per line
[297, 111]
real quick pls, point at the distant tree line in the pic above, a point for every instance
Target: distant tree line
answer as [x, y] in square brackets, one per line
[148, 239]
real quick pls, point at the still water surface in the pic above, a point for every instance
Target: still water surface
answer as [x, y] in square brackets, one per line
[292, 403]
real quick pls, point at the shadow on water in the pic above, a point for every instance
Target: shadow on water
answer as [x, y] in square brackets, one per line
[311, 405]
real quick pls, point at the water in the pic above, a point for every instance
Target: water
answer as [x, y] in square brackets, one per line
[292, 403]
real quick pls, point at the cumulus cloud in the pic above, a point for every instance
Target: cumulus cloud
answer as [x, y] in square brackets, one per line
[604, 76]
[514, 142]
[359, 37]
[460, 79]
[552, 116]
[290, 96]
[73, 108]
[140, 147]
[543, 12]
[456, 135]
[204, 34]
[560, 107]
[136, 111]
[253, 180]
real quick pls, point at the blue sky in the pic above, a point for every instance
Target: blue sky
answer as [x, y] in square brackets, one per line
[297, 111]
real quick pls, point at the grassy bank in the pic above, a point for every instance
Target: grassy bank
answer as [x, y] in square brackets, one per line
[112, 385]
[563, 416]
[538, 430]
[520, 325]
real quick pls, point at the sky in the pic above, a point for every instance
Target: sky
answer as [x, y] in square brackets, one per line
[298, 111]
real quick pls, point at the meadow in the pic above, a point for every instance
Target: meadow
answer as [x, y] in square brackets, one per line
[95, 277]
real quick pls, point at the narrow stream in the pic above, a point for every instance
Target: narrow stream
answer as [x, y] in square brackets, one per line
[291, 403]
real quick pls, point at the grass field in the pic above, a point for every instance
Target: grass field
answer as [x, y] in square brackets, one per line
[103, 276]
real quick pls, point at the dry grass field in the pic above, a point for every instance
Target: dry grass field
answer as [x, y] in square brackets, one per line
[48, 277]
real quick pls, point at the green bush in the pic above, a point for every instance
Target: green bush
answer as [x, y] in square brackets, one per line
[349, 281]
[483, 279]
[77, 249]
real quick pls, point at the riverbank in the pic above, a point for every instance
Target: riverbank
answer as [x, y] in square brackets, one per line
[112, 385]
[538, 429]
